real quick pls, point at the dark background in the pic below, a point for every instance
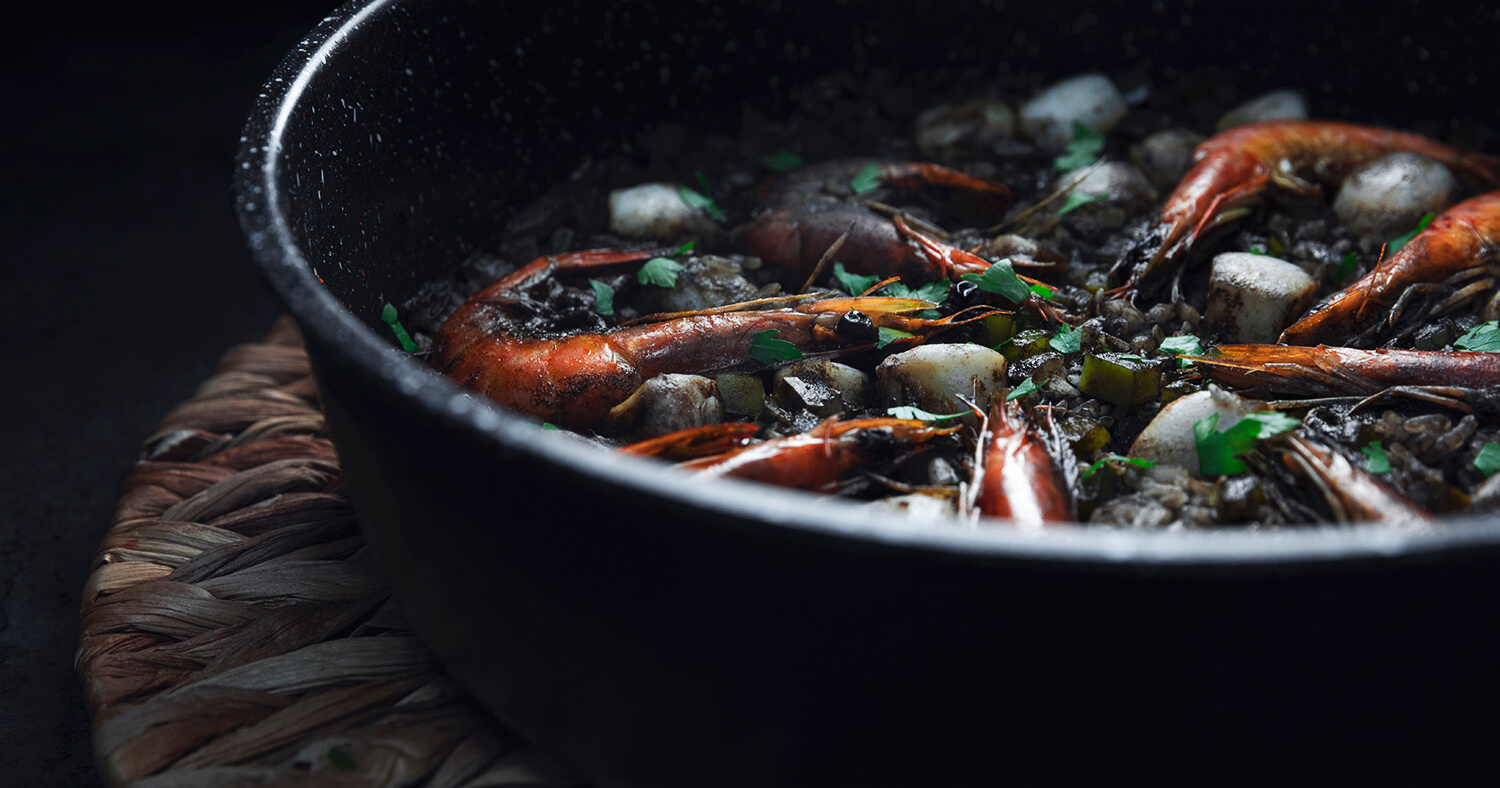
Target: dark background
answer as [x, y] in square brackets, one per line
[123, 277]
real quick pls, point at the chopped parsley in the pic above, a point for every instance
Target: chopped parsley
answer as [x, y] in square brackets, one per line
[660, 271]
[782, 160]
[388, 316]
[698, 200]
[1136, 461]
[1001, 279]
[1488, 461]
[936, 292]
[889, 335]
[1185, 345]
[1219, 452]
[1076, 201]
[1483, 338]
[1067, 340]
[1082, 151]
[1401, 240]
[866, 180]
[1343, 269]
[547, 425]
[913, 412]
[853, 283]
[340, 760]
[768, 350]
[1027, 386]
[604, 298]
[1379, 461]
[1042, 291]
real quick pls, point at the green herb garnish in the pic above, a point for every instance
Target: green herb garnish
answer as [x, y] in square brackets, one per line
[913, 412]
[1218, 452]
[1488, 461]
[1483, 338]
[547, 425]
[1067, 340]
[1401, 240]
[1379, 461]
[1343, 269]
[1253, 250]
[853, 283]
[1076, 201]
[1185, 345]
[388, 316]
[1082, 151]
[340, 760]
[866, 180]
[782, 160]
[1136, 461]
[1027, 386]
[768, 350]
[1001, 279]
[659, 271]
[889, 335]
[604, 298]
[936, 292]
[697, 200]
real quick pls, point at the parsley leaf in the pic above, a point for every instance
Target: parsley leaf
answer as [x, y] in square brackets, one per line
[697, 200]
[547, 425]
[1343, 269]
[1067, 340]
[1136, 461]
[1082, 151]
[913, 412]
[853, 283]
[889, 335]
[1379, 462]
[604, 298]
[1484, 338]
[936, 292]
[768, 350]
[1042, 291]
[1027, 386]
[1253, 250]
[340, 760]
[1186, 345]
[866, 180]
[388, 316]
[1401, 240]
[682, 250]
[659, 271]
[1218, 452]
[782, 160]
[1488, 461]
[1001, 279]
[1076, 201]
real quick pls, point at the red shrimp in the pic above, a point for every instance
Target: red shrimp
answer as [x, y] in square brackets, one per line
[1020, 482]
[1352, 495]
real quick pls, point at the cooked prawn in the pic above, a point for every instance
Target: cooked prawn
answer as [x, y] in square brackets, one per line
[822, 458]
[574, 381]
[1020, 482]
[1235, 169]
[694, 442]
[1465, 238]
[1352, 495]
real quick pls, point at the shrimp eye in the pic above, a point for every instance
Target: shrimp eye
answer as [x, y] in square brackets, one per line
[857, 326]
[964, 291]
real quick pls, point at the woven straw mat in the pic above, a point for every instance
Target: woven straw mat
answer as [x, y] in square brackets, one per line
[234, 633]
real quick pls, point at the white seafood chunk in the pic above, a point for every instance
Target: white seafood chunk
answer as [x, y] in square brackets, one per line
[933, 377]
[1277, 105]
[946, 131]
[667, 403]
[1388, 196]
[821, 386]
[1090, 99]
[1169, 438]
[1166, 156]
[1120, 183]
[656, 210]
[1252, 297]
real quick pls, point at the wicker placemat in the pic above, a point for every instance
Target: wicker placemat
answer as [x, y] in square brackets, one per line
[233, 631]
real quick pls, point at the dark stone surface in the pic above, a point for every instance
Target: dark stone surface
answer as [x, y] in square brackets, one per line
[124, 278]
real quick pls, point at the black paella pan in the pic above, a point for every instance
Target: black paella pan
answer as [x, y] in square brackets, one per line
[656, 632]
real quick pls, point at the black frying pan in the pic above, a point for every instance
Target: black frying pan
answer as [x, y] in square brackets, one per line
[659, 632]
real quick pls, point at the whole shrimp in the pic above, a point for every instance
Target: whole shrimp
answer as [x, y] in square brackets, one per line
[1020, 482]
[574, 380]
[1458, 379]
[1352, 495]
[1466, 238]
[805, 211]
[822, 458]
[1236, 168]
